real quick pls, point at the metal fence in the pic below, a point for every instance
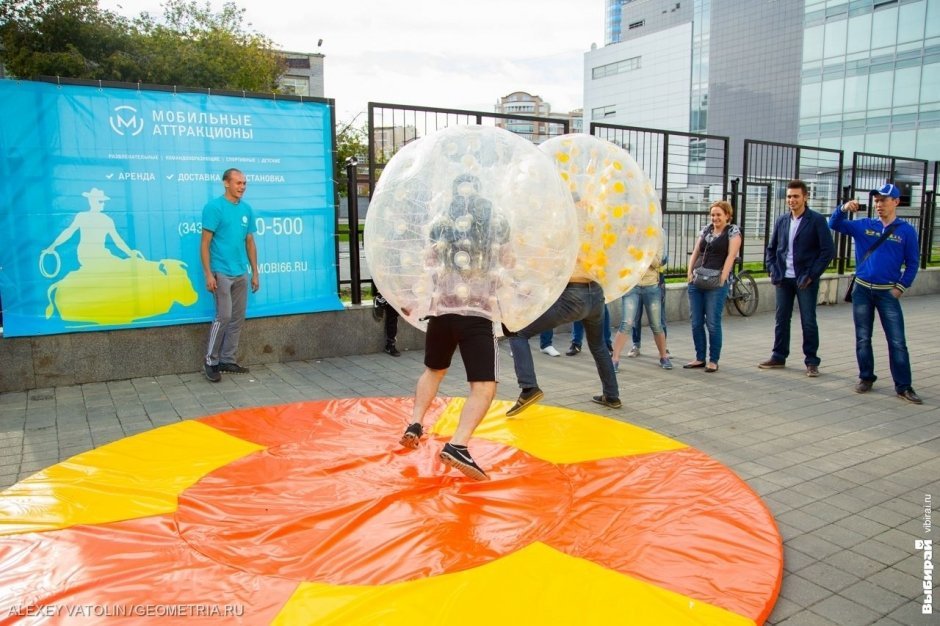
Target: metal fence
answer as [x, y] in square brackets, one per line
[871, 171]
[688, 170]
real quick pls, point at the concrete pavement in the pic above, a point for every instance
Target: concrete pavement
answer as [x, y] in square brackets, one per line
[846, 475]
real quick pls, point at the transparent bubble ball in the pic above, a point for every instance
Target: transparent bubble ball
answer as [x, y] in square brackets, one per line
[471, 220]
[619, 215]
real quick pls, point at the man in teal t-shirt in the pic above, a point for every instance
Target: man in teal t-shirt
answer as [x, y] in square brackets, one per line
[227, 250]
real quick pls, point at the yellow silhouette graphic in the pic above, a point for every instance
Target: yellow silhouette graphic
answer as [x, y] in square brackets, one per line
[106, 288]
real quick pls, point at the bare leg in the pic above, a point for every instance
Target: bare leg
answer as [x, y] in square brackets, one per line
[620, 340]
[474, 409]
[428, 384]
[660, 340]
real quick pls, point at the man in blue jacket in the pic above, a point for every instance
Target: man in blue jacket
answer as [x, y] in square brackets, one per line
[798, 253]
[880, 281]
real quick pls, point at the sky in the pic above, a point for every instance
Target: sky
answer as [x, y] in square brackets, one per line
[428, 52]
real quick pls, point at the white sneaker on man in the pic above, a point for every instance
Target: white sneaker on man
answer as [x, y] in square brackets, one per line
[551, 351]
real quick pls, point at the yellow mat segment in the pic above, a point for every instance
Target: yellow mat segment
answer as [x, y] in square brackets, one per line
[559, 435]
[130, 478]
[514, 589]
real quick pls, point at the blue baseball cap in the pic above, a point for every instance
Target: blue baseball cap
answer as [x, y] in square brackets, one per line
[888, 190]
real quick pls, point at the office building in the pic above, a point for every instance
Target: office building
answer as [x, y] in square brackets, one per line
[861, 75]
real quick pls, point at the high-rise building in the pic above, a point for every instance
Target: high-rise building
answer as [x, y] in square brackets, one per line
[860, 75]
[871, 77]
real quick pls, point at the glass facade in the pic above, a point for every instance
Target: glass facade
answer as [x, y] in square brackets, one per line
[870, 76]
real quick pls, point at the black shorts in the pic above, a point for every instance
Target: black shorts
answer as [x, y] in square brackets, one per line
[473, 335]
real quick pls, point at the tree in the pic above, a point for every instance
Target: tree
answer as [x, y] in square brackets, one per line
[71, 38]
[194, 46]
[190, 46]
[351, 141]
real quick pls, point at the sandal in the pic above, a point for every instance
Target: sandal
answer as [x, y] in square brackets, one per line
[711, 370]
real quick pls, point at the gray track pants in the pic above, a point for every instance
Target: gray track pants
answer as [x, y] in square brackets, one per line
[231, 299]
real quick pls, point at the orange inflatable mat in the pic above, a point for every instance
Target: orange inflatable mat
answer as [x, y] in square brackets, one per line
[312, 513]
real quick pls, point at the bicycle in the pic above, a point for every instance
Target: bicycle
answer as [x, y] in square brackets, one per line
[743, 293]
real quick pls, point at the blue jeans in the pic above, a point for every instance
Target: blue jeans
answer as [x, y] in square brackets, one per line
[806, 299]
[865, 302]
[577, 330]
[638, 320]
[635, 301]
[545, 338]
[706, 307]
[578, 301]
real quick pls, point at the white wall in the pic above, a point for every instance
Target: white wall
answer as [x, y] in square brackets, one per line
[654, 96]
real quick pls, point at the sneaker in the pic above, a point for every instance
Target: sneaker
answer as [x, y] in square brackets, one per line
[232, 368]
[459, 458]
[526, 398]
[634, 352]
[863, 386]
[212, 372]
[616, 367]
[412, 436]
[391, 349]
[812, 371]
[551, 351]
[910, 396]
[613, 403]
[573, 350]
[665, 363]
[771, 364]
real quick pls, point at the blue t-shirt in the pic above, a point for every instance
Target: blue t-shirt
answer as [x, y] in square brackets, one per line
[230, 224]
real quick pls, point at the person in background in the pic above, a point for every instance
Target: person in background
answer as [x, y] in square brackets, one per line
[716, 248]
[381, 309]
[881, 278]
[799, 251]
[638, 320]
[545, 343]
[647, 294]
[227, 250]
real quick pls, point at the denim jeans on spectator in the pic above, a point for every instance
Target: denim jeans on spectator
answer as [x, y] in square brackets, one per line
[577, 330]
[786, 291]
[706, 307]
[577, 302]
[545, 338]
[640, 299]
[638, 321]
[865, 302]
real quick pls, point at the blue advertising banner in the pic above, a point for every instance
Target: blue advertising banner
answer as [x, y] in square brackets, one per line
[101, 198]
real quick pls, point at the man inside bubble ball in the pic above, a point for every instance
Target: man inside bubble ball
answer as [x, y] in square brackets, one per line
[582, 300]
[464, 242]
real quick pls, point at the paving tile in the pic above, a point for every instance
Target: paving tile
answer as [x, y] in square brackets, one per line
[876, 598]
[842, 610]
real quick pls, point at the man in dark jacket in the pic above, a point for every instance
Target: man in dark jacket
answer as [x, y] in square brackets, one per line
[798, 253]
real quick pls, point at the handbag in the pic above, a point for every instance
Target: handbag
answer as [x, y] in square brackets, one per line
[705, 278]
[884, 235]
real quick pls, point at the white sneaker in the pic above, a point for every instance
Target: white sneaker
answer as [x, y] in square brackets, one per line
[634, 352]
[551, 351]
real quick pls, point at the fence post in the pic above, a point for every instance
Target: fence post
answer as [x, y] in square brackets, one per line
[843, 239]
[352, 202]
[927, 224]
